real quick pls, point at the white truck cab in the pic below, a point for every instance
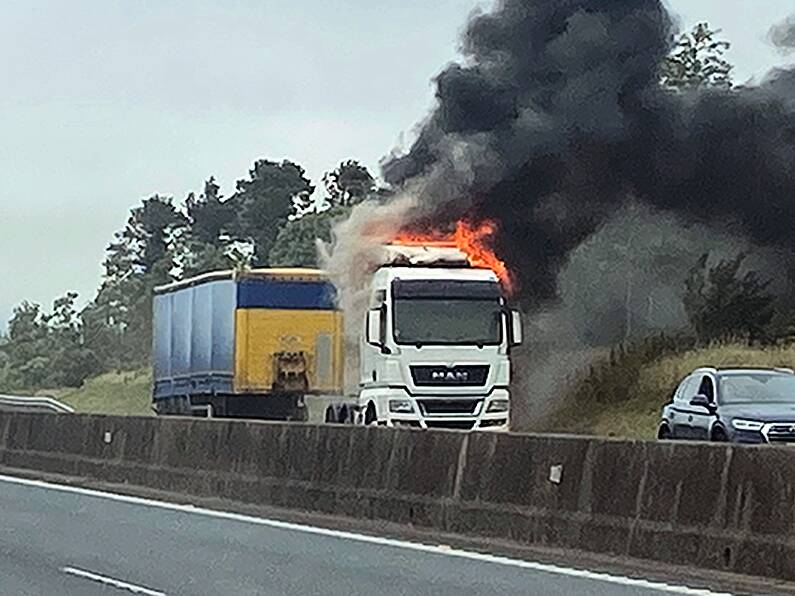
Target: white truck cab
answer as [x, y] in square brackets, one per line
[435, 348]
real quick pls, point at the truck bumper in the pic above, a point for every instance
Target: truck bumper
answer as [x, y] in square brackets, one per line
[397, 408]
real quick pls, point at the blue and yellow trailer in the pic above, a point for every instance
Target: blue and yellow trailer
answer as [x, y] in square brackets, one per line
[246, 344]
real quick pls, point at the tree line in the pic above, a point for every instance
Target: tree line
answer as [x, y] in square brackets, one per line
[272, 219]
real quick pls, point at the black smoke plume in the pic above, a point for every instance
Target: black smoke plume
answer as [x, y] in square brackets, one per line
[556, 117]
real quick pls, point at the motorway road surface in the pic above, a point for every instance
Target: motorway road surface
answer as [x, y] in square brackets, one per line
[69, 541]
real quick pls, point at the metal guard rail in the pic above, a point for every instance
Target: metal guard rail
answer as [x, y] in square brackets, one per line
[46, 403]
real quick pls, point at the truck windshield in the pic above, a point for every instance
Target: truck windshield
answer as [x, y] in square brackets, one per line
[434, 312]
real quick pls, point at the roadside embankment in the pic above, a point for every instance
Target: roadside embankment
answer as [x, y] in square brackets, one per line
[622, 395]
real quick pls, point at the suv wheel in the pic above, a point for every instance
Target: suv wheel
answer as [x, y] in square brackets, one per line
[719, 435]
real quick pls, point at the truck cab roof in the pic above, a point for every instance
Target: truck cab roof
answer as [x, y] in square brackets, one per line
[439, 254]
[390, 273]
[385, 276]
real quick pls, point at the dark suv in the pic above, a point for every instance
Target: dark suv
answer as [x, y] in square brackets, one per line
[741, 405]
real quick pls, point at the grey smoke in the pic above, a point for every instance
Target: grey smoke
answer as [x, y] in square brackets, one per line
[783, 34]
[353, 255]
[621, 285]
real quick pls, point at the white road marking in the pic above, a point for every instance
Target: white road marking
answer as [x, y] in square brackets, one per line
[391, 542]
[109, 581]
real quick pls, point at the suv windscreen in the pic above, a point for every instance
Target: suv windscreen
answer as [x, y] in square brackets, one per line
[445, 312]
[756, 388]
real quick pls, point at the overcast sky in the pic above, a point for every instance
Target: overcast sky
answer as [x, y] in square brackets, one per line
[105, 102]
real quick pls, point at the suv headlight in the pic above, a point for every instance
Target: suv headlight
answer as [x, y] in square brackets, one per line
[498, 405]
[751, 425]
[401, 406]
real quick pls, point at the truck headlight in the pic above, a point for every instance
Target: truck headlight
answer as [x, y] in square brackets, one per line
[498, 405]
[401, 406]
[751, 425]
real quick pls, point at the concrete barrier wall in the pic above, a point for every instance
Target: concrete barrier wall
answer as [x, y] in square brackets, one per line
[713, 506]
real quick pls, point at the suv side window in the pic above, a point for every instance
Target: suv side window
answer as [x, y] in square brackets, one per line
[682, 395]
[707, 388]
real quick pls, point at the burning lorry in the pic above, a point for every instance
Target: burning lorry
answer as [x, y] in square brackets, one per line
[433, 349]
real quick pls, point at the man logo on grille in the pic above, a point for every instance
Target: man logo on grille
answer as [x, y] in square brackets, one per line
[450, 376]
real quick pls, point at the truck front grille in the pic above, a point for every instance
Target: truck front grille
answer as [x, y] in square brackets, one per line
[467, 375]
[454, 424]
[441, 407]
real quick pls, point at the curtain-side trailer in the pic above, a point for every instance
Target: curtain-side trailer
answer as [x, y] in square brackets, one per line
[247, 345]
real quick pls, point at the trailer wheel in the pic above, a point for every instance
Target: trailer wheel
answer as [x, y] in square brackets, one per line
[182, 406]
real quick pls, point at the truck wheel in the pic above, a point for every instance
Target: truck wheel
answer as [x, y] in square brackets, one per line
[301, 414]
[370, 416]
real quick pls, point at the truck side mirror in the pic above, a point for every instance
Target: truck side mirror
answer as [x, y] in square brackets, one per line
[374, 328]
[516, 328]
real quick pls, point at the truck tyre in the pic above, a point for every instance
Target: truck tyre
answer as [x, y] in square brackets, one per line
[301, 414]
[370, 416]
[182, 406]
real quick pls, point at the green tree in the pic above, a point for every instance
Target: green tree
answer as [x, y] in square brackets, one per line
[350, 183]
[9, 379]
[265, 202]
[200, 258]
[27, 337]
[46, 349]
[142, 256]
[210, 217]
[296, 244]
[71, 362]
[150, 232]
[207, 242]
[697, 60]
[720, 302]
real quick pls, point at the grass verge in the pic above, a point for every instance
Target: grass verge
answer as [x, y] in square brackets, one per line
[125, 393]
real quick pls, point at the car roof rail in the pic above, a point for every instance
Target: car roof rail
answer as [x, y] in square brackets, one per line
[778, 369]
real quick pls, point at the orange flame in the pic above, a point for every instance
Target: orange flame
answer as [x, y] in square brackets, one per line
[470, 239]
